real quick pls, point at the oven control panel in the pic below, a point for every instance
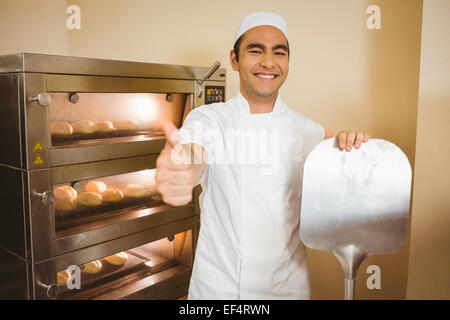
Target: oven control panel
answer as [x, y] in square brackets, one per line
[214, 94]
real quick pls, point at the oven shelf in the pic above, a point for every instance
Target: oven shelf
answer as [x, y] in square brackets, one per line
[104, 149]
[118, 224]
[137, 279]
[75, 140]
[91, 218]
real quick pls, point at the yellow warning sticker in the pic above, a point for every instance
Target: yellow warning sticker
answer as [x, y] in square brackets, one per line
[38, 146]
[38, 160]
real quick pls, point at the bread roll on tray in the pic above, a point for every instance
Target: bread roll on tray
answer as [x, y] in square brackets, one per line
[126, 125]
[93, 267]
[91, 199]
[112, 195]
[83, 127]
[95, 186]
[103, 126]
[134, 191]
[117, 259]
[65, 198]
[61, 128]
[62, 277]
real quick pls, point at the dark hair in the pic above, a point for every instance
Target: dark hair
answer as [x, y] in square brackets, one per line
[238, 43]
[236, 48]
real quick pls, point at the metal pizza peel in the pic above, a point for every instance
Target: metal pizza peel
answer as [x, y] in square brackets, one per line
[355, 204]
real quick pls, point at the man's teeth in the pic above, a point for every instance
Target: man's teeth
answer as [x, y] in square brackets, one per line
[266, 76]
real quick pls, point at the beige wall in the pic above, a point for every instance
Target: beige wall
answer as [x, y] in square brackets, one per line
[366, 80]
[33, 26]
[429, 263]
[341, 74]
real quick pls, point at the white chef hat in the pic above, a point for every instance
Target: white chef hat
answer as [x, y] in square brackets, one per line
[261, 19]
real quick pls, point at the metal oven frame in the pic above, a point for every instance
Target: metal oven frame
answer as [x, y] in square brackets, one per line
[31, 251]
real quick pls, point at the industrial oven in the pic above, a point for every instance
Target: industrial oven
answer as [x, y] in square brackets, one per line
[80, 217]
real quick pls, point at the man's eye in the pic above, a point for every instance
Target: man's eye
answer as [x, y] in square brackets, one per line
[280, 53]
[255, 51]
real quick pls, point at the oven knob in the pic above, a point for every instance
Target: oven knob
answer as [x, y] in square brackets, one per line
[169, 97]
[74, 97]
[50, 288]
[47, 197]
[199, 91]
[44, 99]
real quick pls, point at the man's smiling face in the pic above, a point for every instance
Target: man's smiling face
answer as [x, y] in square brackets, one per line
[263, 62]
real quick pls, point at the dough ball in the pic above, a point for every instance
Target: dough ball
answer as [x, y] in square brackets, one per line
[93, 267]
[83, 126]
[112, 195]
[95, 186]
[90, 198]
[62, 277]
[61, 128]
[126, 125]
[103, 126]
[65, 198]
[118, 259]
[134, 191]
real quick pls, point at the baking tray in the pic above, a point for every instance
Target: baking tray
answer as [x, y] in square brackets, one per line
[113, 277]
[78, 139]
[85, 214]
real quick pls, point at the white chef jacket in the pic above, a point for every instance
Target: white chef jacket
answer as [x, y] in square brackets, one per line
[249, 245]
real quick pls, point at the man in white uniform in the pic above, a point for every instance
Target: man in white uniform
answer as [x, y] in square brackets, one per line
[248, 154]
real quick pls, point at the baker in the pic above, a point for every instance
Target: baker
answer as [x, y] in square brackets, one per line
[248, 155]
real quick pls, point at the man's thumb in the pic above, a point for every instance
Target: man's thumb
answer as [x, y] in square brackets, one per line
[171, 133]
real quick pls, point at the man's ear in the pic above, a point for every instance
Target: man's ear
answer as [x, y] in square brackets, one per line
[233, 61]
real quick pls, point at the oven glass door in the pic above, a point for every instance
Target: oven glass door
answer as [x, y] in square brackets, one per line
[80, 119]
[157, 270]
[87, 202]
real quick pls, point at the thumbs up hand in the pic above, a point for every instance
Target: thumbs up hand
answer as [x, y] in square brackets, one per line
[174, 171]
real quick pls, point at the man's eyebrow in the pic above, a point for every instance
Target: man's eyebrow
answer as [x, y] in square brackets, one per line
[256, 45]
[280, 46]
[262, 46]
